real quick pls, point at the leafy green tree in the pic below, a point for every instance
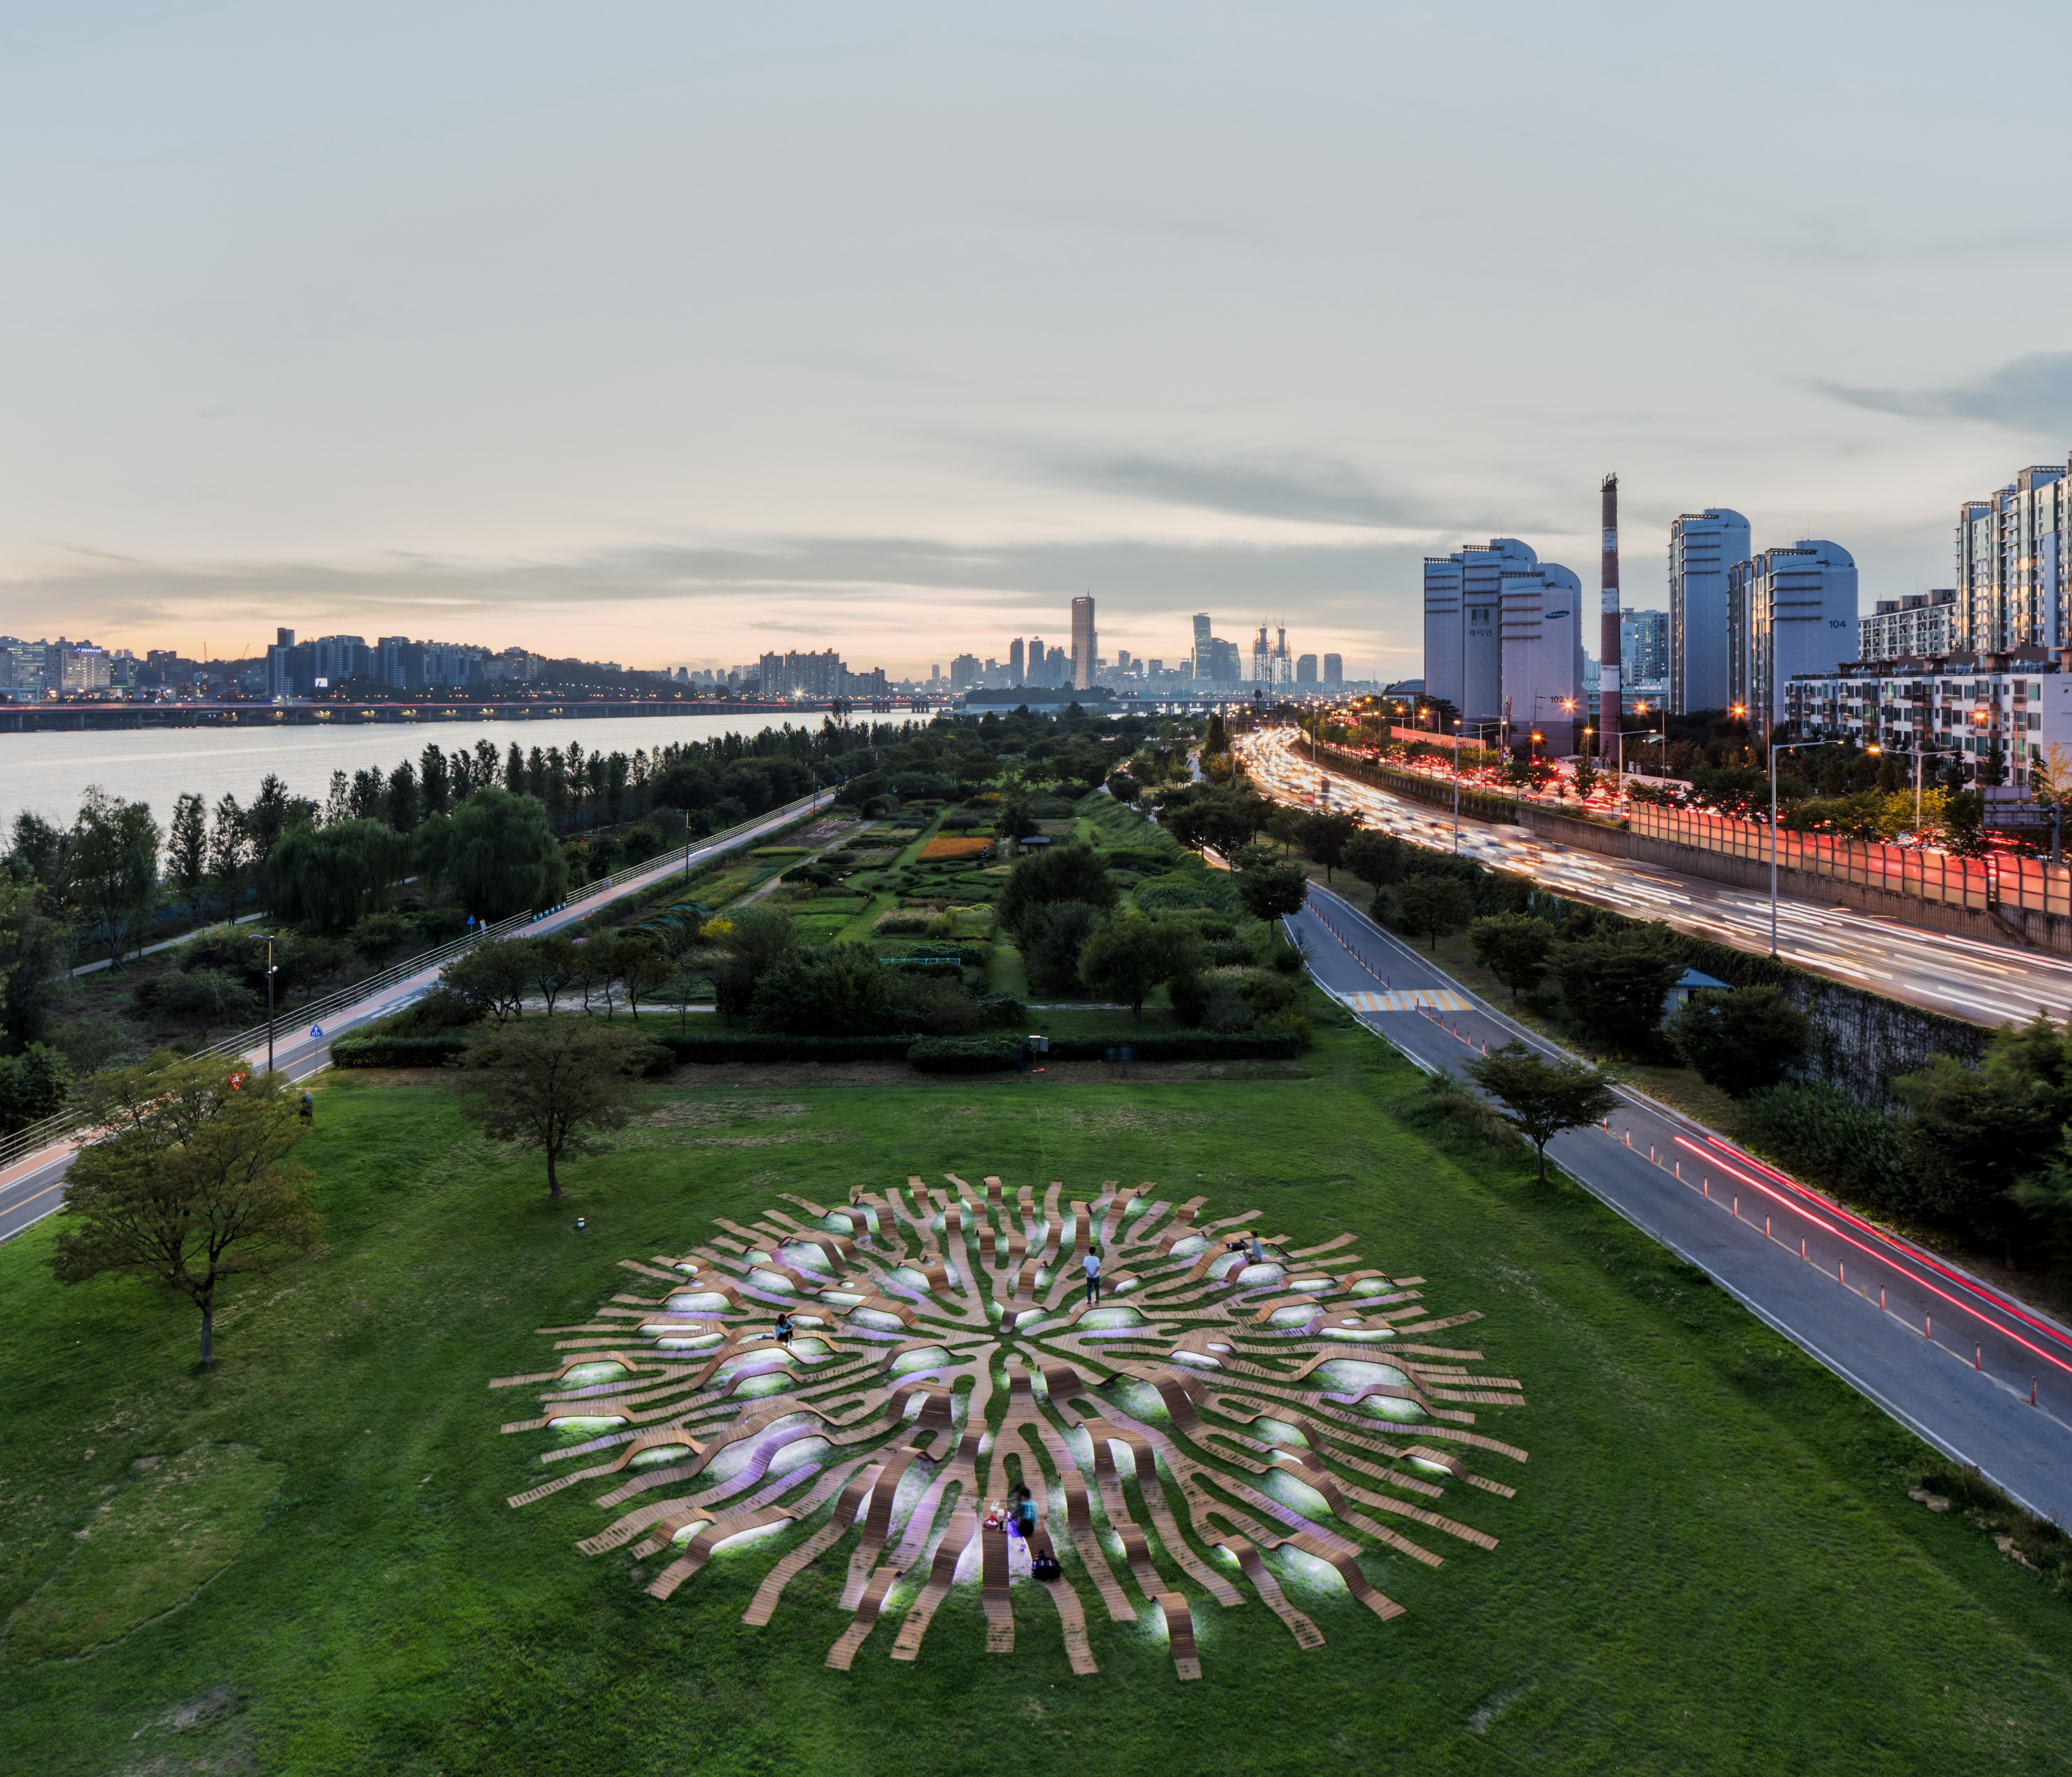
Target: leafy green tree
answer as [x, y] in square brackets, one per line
[493, 977]
[1614, 987]
[836, 990]
[35, 955]
[229, 849]
[114, 865]
[1273, 890]
[1513, 946]
[205, 997]
[435, 781]
[273, 813]
[645, 969]
[332, 877]
[1587, 776]
[1376, 858]
[41, 853]
[1433, 904]
[1060, 872]
[553, 966]
[499, 853]
[1326, 835]
[193, 1182]
[1126, 955]
[33, 1086]
[1285, 826]
[1542, 1098]
[403, 810]
[1829, 1139]
[1015, 821]
[187, 851]
[754, 938]
[1052, 941]
[553, 1085]
[1741, 1041]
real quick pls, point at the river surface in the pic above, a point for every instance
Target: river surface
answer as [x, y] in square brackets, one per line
[48, 773]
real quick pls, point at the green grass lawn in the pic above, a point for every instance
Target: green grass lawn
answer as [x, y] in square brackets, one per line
[1711, 1566]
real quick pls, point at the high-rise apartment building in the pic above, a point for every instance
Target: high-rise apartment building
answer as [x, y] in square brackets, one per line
[1334, 670]
[1789, 610]
[1305, 669]
[1084, 652]
[1915, 625]
[963, 672]
[1015, 662]
[2012, 557]
[1703, 549]
[1644, 653]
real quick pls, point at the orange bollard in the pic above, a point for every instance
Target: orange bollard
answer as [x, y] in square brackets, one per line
[1978, 1353]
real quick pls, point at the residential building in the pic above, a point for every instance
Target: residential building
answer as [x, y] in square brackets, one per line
[1334, 671]
[1703, 549]
[2012, 554]
[1790, 612]
[24, 670]
[279, 678]
[1644, 654]
[1919, 623]
[963, 672]
[1015, 659]
[1084, 651]
[1305, 669]
[1960, 705]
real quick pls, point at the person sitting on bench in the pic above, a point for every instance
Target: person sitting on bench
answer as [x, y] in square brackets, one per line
[784, 1330]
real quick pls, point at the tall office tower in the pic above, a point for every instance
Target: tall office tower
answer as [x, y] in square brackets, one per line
[2012, 552]
[1036, 661]
[1262, 658]
[1541, 618]
[1644, 653]
[1463, 662]
[1284, 663]
[1334, 669]
[1083, 650]
[1305, 669]
[1703, 548]
[1608, 706]
[963, 672]
[1203, 654]
[1790, 612]
[1014, 661]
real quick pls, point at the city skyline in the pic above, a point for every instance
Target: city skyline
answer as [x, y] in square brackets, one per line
[455, 370]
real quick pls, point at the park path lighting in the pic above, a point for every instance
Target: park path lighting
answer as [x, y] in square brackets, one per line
[266, 938]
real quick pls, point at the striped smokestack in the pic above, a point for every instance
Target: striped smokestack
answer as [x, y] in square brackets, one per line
[1609, 717]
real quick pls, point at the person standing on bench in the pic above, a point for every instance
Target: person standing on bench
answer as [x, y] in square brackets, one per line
[1090, 1265]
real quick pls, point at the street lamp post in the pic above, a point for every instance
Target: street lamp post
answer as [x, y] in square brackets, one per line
[1781, 747]
[267, 939]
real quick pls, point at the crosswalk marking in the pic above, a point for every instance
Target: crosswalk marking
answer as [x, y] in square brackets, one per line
[1409, 999]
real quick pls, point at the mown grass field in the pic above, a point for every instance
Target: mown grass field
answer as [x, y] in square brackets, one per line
[1711, 1564]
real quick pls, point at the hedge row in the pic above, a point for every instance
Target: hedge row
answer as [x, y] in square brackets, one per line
[439, 1051]
[1185, 1046]
[750, 1046]
[965, 1054]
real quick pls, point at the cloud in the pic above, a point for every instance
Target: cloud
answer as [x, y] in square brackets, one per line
[1300, 486]
[2031, 394]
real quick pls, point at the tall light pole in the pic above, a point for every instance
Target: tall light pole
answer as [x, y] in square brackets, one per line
[1781, 747]
[267, 939]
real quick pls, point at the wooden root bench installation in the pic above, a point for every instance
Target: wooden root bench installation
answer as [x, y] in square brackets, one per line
[944, 1359]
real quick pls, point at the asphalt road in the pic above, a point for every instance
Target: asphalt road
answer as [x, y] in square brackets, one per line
[1943, 1353]
[34, 1187]
[1984, 982]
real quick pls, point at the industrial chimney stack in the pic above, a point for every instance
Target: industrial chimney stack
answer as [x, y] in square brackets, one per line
[1610, 716]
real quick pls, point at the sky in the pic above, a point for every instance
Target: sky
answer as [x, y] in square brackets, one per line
[673, 333]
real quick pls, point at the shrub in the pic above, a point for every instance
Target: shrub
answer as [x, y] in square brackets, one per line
[745, 1046]
[1002, 1009]
[1178, 889]
[1741, 1041]
[1827, 1139]
[965, 1054]
[206, 997]
[1070, 873]
[434, 1052]
[833, 989]
[1614, 988]
[1053, 936]
[897, 920]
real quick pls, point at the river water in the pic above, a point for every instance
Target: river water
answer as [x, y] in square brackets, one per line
[49, 773]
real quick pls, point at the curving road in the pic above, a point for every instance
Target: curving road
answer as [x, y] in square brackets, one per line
[34, 1187]
[1985, 1380]
[1989, 984]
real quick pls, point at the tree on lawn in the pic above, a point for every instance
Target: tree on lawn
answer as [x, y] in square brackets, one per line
[113, 858]
[552, 966]
[1742, 1041]
[1126, 955]
[1273, 891]
[1326, 836]
[187, 851]
[1015, 819]
[552, 1084]
[1614, 987]
[190, 1184]
[833, 990]
[1513, 946]
[494, 977]
[1432, 904]
[1375, 858]
[1542, 1098]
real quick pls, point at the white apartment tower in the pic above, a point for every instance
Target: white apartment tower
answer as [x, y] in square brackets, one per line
[2012, 557]
[1703, 549]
